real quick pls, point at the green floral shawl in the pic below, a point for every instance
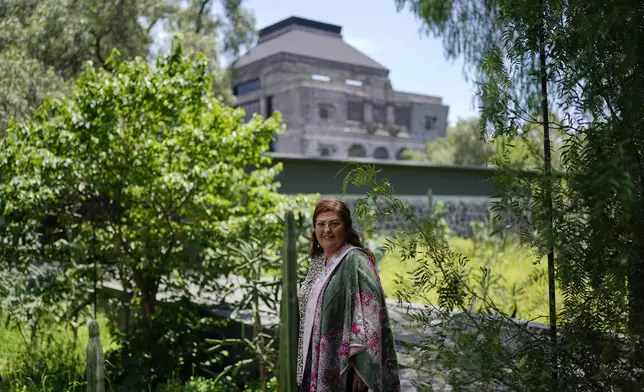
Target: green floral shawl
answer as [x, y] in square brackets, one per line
[347, 328]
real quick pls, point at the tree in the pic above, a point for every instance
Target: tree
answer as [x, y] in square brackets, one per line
[601, 73]
[463, 145]
[145, 175]
[467, 144]
[55, 37]
[525, 150]
[24, 84]
[580, 59]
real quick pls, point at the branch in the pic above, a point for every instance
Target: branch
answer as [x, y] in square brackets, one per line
[97, 46]
[202, 10]
[190, 194]
[152, 24]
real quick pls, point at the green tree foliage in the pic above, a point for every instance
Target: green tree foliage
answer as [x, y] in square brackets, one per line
[145, 174]
[581, 60]
[464, 144]
[44, 44]
[24, 84]
[467, 144]
[525, 150]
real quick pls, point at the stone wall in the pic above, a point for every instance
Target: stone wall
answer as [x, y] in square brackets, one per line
[459, 212]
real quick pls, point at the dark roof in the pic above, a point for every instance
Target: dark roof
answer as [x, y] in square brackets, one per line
[299, 36]
[294, 20]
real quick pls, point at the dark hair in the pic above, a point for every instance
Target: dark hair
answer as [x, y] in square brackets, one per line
[352, 237]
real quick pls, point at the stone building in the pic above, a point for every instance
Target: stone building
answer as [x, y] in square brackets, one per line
[335, 101]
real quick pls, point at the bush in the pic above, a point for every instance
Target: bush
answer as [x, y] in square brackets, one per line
[143, 178]
[58, 364]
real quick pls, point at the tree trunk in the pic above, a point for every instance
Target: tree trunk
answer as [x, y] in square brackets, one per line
[636, 265]
[552, 300]
[148, 288]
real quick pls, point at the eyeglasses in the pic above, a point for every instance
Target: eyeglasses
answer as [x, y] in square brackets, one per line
[331, 225]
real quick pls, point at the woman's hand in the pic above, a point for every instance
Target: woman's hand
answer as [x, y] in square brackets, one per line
[358, 384]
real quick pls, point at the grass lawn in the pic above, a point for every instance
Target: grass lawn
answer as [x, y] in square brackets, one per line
[517, 279]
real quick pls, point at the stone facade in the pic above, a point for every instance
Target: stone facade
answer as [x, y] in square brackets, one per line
[334, 100]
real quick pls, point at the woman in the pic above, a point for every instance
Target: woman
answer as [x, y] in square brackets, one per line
[346, 344]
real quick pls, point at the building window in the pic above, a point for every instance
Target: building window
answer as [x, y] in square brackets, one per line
[355, 111]
[357, 151]
[326, 150]
[402, 154]
[247, 87]
[269, 106]
[250, 108]
[379, 114]
[381, 153]
[430, 121]
[326, 111]
[403, 116]
[320, 78]
[352, 82]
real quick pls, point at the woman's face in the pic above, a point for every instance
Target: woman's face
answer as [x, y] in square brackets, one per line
[330, 231]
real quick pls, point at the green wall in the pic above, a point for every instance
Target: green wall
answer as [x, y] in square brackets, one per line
[320, 175]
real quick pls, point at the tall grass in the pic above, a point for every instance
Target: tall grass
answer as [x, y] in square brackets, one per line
[517, 281]
[56, 363]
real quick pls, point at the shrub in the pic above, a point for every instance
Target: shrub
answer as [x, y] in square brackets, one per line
[147, 176]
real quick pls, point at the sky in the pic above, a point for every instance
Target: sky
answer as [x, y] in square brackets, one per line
[416, 61]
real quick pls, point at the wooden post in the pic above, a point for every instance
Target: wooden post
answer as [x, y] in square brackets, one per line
[95, 360]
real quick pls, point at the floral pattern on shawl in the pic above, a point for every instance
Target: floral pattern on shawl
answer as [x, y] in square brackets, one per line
[351, 329]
